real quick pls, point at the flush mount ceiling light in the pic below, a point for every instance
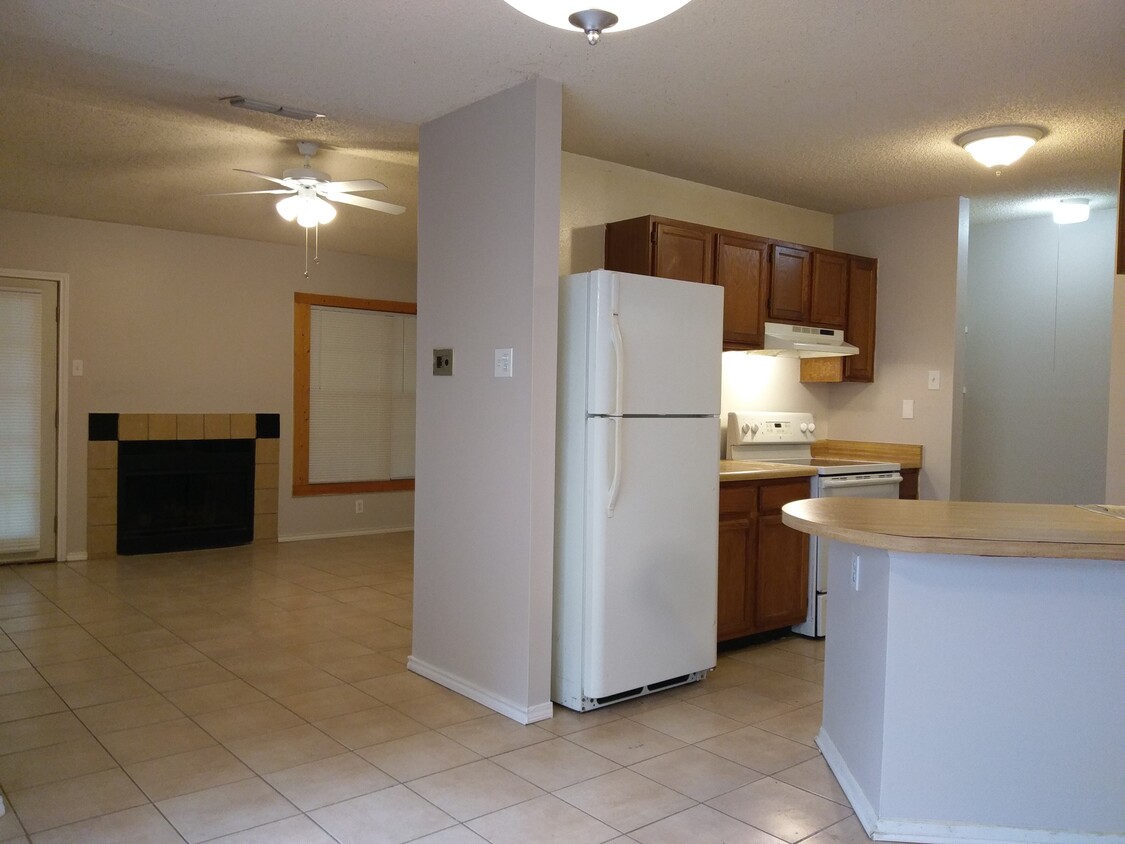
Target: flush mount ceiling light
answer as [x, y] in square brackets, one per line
[999, 146]
[622, 14]
[1071, 211]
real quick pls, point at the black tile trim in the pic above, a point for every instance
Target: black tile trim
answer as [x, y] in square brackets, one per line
[269, 426]
[103, 427]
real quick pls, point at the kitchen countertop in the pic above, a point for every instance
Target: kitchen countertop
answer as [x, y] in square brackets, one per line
[754, 470]
[906, 455]
[963, 527]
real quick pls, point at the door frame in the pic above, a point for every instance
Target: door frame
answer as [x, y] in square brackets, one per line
[62, 350]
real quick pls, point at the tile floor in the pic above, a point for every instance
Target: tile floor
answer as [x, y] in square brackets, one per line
[259, 694]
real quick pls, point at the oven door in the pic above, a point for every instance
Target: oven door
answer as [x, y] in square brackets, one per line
[875, 485]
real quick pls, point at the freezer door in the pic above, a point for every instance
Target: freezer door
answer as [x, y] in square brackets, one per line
[651, 582]
[655, 346]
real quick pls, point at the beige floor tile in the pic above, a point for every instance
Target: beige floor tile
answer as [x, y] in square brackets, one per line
[68, 635]
[183, 773]
[170, 657]
[203, 699]
[741, 704]
[391, 816]
[296, 830]
[566, 721]
[109, 690]
[459, 834]
[757, 749]
[139, 712]
[28, 704]
[696, 773]
[28, 768]
[701, 825]
[625, 742]
[136, 744]
[442, 709]
[334, 648]
[813, 648]
[261, 660]
[370, 726]
[815, 776]
[494, 734]
[784, 688]
[142, 825]
[687, 722]
[395, 688]
[12, 661]
[625, 800]
[781, 810]
[68, 801]
[292, 681]
[282, 749]
[225, 809]
[122, 622]
[475, 789]
[418, 755]
[329, 702]
[187, 676]
[847, 831]
[544, 820]
[248, 720]
[40, 731]
[40, 655]
[98, 668]
[798, 724]
[21, 680]
[555, 764]
[354, 668]
[786, 662]
[143, 640]
[11, 830]
[325, 781]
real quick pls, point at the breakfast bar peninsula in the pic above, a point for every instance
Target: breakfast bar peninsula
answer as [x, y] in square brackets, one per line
[974, 682]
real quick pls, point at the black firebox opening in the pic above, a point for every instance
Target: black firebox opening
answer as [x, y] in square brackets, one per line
[180, 495]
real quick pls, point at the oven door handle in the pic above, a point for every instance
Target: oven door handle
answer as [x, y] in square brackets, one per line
[832, 481]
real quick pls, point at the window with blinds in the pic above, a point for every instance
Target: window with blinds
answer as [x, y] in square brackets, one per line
[21, 388]
[353, 395]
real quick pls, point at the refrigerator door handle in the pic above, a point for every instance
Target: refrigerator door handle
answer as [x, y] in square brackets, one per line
[615, 483]
[618, 343]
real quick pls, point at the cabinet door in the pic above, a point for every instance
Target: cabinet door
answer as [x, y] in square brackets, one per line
[828, 302]
[782, 576]
[861, 319]
[740, 269]
[682, 252]
[737, 545]
[790, 281]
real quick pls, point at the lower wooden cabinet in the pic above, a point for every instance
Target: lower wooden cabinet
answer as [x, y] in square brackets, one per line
[909, 486]
[763, 564]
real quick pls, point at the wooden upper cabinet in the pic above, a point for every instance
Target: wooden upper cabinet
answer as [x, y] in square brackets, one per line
[683, 252]
[790, 282]
[742, 269]
[828, 302]
[860, 329]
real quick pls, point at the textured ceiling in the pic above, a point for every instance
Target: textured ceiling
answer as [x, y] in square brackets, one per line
[111, 108]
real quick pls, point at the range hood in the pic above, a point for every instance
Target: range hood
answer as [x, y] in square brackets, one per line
[804, 341]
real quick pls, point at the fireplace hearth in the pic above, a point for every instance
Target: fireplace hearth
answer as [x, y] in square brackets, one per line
[181, 495]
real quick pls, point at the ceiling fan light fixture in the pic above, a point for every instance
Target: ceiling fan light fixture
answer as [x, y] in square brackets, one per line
[308, 209]
[622, 14]
[1071, 211]
[999, 146]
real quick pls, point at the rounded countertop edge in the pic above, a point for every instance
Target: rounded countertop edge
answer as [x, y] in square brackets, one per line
[934, 528]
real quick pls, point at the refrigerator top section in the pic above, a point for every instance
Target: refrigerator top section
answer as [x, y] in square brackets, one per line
[653, 345]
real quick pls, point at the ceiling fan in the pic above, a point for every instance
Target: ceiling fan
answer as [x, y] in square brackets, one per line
[309, 193]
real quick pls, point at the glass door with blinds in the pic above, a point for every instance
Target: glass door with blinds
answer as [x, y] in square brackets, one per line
[28, 402]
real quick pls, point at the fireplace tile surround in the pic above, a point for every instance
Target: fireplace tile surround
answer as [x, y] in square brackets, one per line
[107, 429]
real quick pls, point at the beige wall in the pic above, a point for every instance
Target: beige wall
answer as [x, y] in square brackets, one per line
[169, 322]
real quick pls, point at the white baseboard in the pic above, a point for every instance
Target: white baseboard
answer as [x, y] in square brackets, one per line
[930, 832]
[301, 537]
[521, 715]
[76, 557]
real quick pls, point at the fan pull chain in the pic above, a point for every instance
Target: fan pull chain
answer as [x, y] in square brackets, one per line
[316, 245]
[306, 253]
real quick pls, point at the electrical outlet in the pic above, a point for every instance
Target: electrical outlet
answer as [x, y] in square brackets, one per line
[502, 363]
[855, 572]
[358, 506]
[443, 361]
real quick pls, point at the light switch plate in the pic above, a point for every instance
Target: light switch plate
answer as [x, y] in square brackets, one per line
[908, 408]
[443, 361]
[502, 363]
[933, 381]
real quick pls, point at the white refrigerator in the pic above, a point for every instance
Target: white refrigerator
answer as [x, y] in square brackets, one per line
[637, 476]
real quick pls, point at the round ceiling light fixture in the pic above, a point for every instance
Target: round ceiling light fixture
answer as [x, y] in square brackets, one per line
[999, 146]
[1071, 211]
[624, 14]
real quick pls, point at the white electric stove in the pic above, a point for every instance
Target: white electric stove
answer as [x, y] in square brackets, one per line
[787, 438]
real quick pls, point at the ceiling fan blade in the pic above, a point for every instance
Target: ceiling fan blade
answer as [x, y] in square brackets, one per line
[281, 182]
[364, 202]
[352, 185]
[245, 192]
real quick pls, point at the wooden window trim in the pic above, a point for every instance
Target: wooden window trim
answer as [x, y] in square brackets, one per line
[302, 350]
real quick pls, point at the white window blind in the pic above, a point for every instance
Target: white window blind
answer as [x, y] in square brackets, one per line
[20, 393]
[361, 395]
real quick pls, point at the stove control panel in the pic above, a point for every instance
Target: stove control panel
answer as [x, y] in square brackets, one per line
[746, 428]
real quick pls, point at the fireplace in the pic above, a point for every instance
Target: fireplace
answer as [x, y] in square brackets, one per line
[191, 450]
[180, 495]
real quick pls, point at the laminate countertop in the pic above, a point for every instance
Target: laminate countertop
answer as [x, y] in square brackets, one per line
[963, 527]
[755, 470]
